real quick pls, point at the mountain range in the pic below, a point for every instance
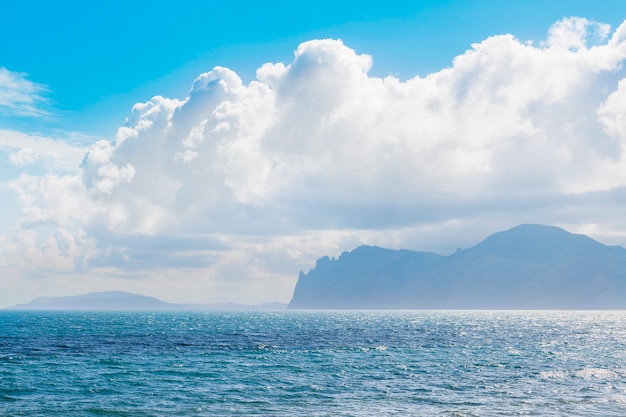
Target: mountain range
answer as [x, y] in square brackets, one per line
[124, 301]
[526, 267]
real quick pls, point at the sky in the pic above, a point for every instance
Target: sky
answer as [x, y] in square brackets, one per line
[204, 152]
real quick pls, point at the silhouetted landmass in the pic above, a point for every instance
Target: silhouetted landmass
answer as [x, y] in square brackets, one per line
[527, 267]
[123, 301]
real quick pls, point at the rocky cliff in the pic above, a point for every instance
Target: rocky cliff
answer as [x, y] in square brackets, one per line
[527, 267]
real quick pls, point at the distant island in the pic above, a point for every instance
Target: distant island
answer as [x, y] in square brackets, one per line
[526, 267]
[124, 301]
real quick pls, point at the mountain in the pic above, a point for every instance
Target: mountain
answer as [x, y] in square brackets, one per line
[526, 267]
[123, 301]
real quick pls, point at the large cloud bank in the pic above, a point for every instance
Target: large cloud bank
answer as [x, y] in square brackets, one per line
[240, 186]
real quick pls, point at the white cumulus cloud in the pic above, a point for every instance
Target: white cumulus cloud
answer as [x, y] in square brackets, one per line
[44, 153]
[252, 182]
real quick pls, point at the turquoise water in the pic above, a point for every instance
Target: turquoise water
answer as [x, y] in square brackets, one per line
[313, 364]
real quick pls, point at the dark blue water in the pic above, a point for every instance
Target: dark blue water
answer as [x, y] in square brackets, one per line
[313, 364]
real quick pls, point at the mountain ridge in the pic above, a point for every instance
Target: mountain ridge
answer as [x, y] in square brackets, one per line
[526, 267]
[126, 301]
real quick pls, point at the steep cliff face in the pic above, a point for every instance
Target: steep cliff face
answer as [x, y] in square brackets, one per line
[529, 266]
[367, 277]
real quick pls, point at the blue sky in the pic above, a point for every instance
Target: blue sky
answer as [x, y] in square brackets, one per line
[98, 59]
[422, 125]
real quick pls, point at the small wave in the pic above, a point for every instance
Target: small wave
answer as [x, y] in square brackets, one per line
[380, 348]
[553, 375]
[263, 346]
[595, 373]
[7, 398]
[586, 373]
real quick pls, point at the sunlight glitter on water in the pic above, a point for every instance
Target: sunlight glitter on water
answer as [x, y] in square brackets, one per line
[313, 364]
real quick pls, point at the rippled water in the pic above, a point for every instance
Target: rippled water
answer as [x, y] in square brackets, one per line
[313, 364]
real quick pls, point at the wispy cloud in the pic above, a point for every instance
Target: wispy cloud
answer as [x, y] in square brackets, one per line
[21, 97]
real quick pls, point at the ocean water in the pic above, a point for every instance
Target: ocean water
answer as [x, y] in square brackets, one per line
[410, 363]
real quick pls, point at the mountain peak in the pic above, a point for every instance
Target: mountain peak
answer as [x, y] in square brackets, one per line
[538, 242]
[528, 266]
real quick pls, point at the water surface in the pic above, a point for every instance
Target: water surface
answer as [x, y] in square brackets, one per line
[417, 363]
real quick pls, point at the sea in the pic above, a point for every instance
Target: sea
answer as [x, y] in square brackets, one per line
[308, 363]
